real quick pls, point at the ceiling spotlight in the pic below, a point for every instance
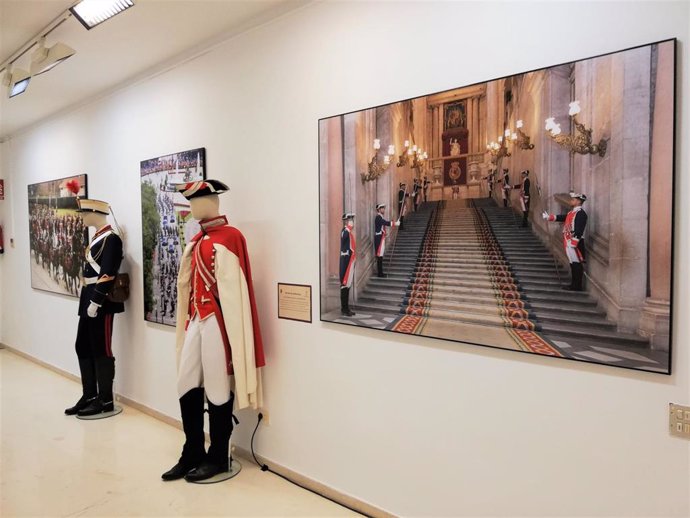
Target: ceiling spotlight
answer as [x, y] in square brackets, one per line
[17, 80]
[44, 59]
[93, 12]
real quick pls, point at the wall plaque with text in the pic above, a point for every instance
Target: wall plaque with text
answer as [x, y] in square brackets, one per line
[294, 302]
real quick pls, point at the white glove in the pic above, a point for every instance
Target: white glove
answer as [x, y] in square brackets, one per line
[92, 310]
[396, 223]
[545, 215]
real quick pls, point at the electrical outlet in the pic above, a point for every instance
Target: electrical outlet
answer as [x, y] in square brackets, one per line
[679, 420]
[267, 418]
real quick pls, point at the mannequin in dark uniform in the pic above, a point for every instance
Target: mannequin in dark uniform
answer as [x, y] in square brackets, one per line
[380, 224]
[347, 262]
[524, 195]
[94, 333]
[574, 223]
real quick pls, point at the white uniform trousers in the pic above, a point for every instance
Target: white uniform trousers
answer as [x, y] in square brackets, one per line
[573, 253]
[202, 361]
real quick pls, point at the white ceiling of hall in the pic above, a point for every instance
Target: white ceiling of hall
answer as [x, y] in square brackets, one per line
[132, 45]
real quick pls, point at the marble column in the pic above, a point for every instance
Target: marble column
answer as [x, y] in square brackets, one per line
[655, 317]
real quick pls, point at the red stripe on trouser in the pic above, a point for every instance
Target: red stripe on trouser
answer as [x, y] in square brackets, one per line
[346, 277]
[108, 335]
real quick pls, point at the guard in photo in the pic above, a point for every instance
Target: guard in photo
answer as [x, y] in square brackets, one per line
[380, 224]
[574, 223]
[347, 262]
[524, 195]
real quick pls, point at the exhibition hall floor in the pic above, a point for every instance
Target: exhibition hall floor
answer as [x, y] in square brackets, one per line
[54, 465]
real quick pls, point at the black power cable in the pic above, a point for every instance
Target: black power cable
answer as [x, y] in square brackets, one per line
[264, 467]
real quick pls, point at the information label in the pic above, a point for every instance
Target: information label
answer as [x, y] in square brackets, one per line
[294, 302]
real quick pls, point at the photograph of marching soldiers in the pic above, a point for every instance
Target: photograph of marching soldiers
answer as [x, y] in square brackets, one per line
[57, 235]
[531, 213]
[167, 226]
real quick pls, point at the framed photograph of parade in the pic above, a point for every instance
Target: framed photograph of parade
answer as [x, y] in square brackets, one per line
[167, 226]
[57, 235]
[532, 212]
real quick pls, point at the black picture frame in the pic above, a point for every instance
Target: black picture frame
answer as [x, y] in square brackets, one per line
[345, 185]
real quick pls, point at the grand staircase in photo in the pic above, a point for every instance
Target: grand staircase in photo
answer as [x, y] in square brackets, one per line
[461, 263]
[386, 295]
[560, 314]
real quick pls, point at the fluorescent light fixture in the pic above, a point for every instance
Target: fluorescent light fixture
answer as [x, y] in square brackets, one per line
[44, 59]
[17, 80]
[93, 12]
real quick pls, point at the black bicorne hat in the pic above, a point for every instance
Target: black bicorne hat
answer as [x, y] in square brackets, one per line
[201, 188]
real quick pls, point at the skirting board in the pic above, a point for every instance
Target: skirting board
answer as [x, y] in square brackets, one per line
[333, 494]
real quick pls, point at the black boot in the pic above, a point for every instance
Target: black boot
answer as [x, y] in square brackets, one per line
[344, 302]
[578, 271]
[89, 388]
[379, 266]
[505, 204]
[220, 429]
[105, 372]
[193, 451]
[524, 218]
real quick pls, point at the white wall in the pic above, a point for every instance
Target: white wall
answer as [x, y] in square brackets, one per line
[413, 425]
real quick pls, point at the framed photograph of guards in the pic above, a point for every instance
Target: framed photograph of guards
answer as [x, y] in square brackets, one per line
[533, 212]
[57, 235]
[167, 226]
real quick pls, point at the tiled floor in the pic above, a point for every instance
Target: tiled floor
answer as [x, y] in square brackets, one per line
[54, 465]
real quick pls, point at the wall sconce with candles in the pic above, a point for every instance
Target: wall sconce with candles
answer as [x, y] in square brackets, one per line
[499, 149]
[581, 141]
[412, 156]
[376, 169]
[520, 138]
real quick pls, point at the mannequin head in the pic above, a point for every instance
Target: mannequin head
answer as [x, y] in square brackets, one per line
[205, 207]
[94, 213]
[94, 219]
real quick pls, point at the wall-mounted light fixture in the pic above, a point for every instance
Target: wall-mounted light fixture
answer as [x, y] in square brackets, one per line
[581, 141]
[520, 138]
[374, 168]
[499, 148]
[412, 156]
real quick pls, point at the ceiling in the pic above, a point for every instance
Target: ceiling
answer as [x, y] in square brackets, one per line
[131, 45]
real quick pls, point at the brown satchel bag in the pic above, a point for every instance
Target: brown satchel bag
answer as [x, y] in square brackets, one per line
[120, 290]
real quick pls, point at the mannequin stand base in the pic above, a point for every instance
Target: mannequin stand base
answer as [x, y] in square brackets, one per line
[102, 415]
[235, 468]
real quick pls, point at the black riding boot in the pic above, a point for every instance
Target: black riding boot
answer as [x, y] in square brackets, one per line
[578, 272]
[89, 387]
[379, 266]
[220, 429]
[105, 373]
[505, 203]
[193, 451]
[524, 218]
[345, 302]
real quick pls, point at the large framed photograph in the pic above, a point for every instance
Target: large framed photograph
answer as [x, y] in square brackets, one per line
[57, 235]
[533, 212]
[167, 226]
